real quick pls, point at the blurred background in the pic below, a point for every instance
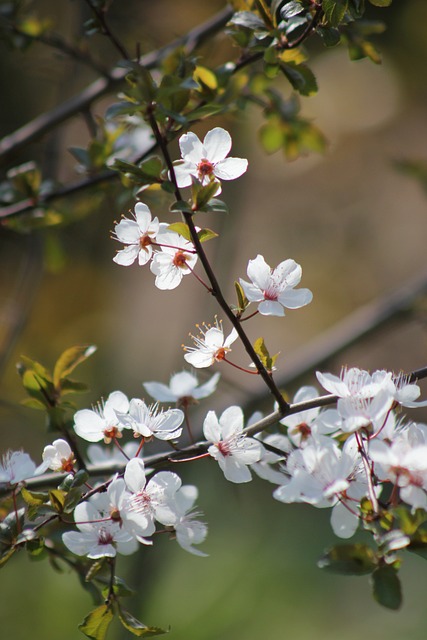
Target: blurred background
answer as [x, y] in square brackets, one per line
[357, 226]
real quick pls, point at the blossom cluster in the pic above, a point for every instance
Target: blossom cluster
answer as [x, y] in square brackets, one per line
[338, 457]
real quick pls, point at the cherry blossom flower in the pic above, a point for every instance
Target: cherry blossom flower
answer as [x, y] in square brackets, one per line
[152, 500]
[208, 160]
[326, 476]
[189, 530]
[149, 421]
[210, 345]
[274, 288]
[97, 537]
[310, 423]
[175, 260]
[354, 382]
[138, 236]
[16, 466]
[405, 465]
[231, 448]
[57, 456]
[100, 423]
[183, 389]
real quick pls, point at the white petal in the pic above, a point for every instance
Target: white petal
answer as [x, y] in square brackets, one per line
[259, 272]
[143, 216]
[183, 174]
[200, 359]
[208, 388]
[217, 144]
[344, 523]
[192, 149]
[230, 168]
[135, 475]
[271, 308]
[127, 256]
[89, 425]
[127, 231]
[160, 392]
[233, 471]
[211, 427]
[295, 298]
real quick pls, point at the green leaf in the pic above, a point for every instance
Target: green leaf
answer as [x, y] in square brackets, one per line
[381, 3]
[247, 19]
[349, 559]
[72, 386]
[271, 136]
[386, 587]
[35, 547]
[96, 623]
[301, 78]
[34, 498]
[334, 11]
[264, 355]
[136, 627]
[6, 555]
[181, 228]
[180, 206]
[33, 403]
[206, 234]
[330, 36]
[217, 206]
[69, 360]
[201, 195]
[57, 499]
[205, 111]
[242, 301]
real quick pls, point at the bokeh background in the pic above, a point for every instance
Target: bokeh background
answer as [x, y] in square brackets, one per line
[356, 225]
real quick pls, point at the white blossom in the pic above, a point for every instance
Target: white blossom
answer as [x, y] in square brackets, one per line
[149, 420]
[210, 345]
[152, 500]
[98, 536]
[101, 423]
[183, 388]
[16, 466]
[138, 236]
[231, 448]
[189, 530]
[274, 289]
[175, 259]
[208, 160]
[57, 456]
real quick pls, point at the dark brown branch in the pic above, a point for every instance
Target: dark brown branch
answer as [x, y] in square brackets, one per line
[100, 15]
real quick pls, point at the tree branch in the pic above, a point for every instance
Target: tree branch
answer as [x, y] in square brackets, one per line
[45, 122]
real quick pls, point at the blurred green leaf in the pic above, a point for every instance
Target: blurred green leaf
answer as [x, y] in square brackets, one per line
[69, 360]
[206, 234]
[334, 11]
[349, 559]
[381, 3]
[386, 587]
[301, 78]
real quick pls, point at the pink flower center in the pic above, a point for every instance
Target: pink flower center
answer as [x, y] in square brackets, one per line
[205, 168]
[105, 537]
[223, 448]
[270, 294]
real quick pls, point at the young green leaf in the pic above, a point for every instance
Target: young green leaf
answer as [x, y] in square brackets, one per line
[96, 623]
[69, 360]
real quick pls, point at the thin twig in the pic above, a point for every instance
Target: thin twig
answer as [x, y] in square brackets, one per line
[45, 122]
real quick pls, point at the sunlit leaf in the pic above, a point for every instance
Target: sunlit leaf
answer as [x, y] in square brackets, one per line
[96, 623]
[136, 627]
[69, 360]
